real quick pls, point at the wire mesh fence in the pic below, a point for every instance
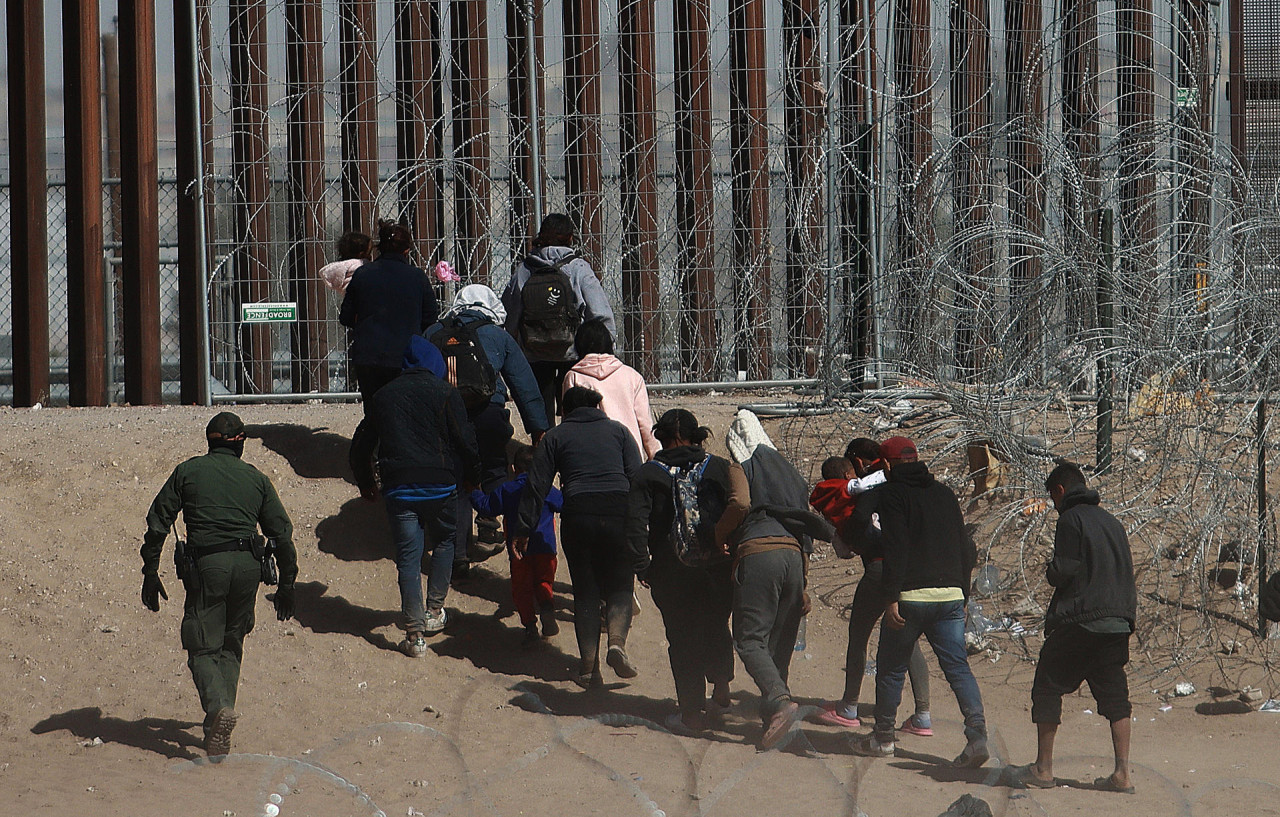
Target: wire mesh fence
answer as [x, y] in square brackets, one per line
[767, 189]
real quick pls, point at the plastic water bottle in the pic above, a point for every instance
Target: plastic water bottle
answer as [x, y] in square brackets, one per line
[977, 623]
[987, 581]
[800, 634]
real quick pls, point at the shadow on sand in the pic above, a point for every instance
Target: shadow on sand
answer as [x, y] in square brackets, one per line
[164, 736]
[321, 613]
[358, 532]
[315, 453]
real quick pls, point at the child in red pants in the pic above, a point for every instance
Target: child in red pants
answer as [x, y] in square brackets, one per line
[532, 574]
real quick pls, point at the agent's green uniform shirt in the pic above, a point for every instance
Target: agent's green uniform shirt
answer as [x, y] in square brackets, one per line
[222, 498]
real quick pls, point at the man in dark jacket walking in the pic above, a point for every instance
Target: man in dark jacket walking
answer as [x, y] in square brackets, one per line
[928, 558]
[387, 301]
[425, 445]
[1087, 628]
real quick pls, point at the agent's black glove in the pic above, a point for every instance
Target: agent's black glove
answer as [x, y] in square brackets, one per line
[152, 592]
[284, 602]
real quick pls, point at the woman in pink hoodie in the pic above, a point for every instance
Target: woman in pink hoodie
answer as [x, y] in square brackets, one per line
[626, 399]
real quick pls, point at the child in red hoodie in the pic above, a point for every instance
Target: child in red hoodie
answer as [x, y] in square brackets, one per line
[834, 497]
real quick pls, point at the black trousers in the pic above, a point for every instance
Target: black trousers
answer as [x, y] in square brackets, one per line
[550, 377]
[593, 537]
[695, 605]
[1072, 655]
[363, 445]
[492, 426]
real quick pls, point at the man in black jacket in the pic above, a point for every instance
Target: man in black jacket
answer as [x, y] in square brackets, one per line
[388, 301]
[928, 557]
[1087, 628]
[420, 424]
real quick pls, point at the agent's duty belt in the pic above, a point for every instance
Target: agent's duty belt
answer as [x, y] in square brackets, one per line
[225, 547]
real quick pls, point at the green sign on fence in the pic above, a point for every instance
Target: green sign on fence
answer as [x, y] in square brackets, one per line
[1188, 97]
[269, 313]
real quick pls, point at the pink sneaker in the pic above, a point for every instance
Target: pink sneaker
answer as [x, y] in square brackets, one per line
[918, 725]
[831, 717]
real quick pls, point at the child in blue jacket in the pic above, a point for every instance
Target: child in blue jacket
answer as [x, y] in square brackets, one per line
[532, 575]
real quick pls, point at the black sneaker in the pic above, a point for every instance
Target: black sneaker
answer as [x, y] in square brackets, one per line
[488, 531]
[461, 573]
[550, 626]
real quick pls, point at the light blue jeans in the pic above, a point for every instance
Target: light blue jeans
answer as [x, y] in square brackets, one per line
[411, 522]
[943, 624]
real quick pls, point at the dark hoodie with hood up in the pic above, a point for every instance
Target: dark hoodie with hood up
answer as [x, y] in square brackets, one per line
[922, 532]
[421, 425]
[1092, 566]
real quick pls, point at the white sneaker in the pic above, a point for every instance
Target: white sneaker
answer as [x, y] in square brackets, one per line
[435, 620]
[414, 645]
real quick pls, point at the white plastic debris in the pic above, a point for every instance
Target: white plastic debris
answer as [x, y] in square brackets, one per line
[1136, 454]
[1184, 689]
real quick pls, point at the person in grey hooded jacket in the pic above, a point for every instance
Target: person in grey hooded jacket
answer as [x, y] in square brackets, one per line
[554, 246]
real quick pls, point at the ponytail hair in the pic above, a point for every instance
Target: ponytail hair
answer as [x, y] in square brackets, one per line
[680, 424]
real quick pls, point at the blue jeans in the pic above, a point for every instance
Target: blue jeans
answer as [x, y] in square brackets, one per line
[943, 624]
[410, 524]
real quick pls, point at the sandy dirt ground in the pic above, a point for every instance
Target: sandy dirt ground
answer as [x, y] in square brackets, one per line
[98, 714]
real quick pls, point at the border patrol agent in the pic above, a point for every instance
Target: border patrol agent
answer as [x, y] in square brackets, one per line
[223, 500]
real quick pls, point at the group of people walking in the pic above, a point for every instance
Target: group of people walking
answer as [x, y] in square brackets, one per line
[722, 544]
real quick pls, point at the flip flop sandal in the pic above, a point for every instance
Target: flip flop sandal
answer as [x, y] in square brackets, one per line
[1108, 784]
[1023, 777]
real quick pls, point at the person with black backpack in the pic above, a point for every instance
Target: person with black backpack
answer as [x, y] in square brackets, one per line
[683, 506]
[484, 364]
[551, 293]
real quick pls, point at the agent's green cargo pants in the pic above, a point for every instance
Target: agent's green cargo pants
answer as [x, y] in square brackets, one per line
[216, 618]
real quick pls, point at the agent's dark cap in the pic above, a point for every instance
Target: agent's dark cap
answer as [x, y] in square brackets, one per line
[224, 426]
[898, 448]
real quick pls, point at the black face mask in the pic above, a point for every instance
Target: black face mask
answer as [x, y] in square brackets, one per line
[234, 446]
